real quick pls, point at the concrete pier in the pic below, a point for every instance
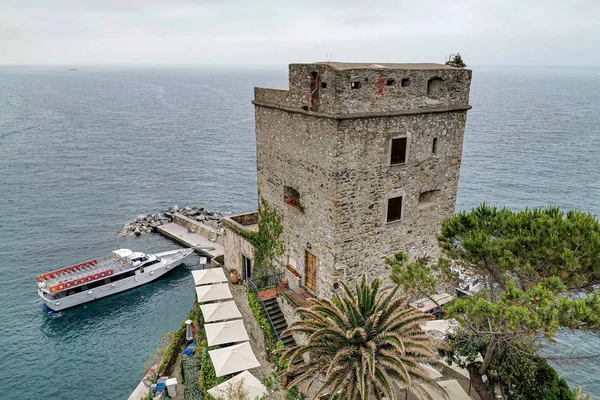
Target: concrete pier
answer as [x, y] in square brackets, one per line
[200, 243]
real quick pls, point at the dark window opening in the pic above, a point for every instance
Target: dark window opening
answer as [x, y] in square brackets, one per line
[405, 82]
[435, 87]
[151, 263]
[434, 145]
[355, 85]
[324, 85]
[291, 197]
[247, 267]
[428, 196]
[394, 209]
[398, 155]
[390, 82]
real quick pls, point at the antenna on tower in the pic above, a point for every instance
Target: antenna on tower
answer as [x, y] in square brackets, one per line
[328, 56]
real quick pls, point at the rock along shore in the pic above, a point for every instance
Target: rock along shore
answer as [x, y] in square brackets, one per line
[144, 224]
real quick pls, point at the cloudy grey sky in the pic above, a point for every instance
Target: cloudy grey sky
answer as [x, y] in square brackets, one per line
[537, 32]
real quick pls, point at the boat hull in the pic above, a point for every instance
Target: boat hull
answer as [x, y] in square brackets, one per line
[170, 261]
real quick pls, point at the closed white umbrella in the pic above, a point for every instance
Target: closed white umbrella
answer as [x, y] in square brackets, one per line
[209, 276]
[225, 332]
[219, 291]
[232, 359]
[219, 311]
[253, 388]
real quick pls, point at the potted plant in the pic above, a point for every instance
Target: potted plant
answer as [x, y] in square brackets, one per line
[283, 283]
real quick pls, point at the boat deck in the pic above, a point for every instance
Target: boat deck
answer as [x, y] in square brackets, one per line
[103, 265]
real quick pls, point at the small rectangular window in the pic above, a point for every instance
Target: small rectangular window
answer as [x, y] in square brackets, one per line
[323, 85]
[390, 82]
[434, 146]
[398, 151]
[394, 209]
[405, 82]
[355, 85]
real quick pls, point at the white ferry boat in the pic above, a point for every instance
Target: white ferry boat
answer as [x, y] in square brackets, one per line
[122, 270]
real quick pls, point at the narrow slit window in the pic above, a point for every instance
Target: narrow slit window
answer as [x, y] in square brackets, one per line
[399, 147]
[394, 209]
[434, 145]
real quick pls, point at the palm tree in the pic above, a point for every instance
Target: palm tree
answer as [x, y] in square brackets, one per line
[361, 343]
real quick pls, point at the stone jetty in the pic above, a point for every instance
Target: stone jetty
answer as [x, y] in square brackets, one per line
[144, 224]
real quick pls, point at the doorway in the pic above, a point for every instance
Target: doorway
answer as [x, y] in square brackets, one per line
[247, 267]
[311, 272]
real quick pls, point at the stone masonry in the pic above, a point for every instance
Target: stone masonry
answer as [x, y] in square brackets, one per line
[326, 144]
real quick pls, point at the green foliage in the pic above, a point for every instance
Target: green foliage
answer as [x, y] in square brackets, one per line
[164, 350]
[208, 377]
[293, 393]
[265, 242]
[190, 370]
[457, 61]
[537, 265]
[362, 346]
[545, 384]
[530, 245]
[279, 364]
[418, 279]
[264, 325]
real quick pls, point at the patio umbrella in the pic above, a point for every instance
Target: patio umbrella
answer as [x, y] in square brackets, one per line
[433, 373]
[219, 291]
[452, 388]
[209, 276]
[443, 326]
[251, 385]
[219, 311]
[230, 359]
[226, 332]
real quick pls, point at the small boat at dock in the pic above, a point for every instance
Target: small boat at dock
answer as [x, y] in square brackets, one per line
[122, 270]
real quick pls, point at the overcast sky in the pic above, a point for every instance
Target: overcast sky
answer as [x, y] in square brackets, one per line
[516, 32]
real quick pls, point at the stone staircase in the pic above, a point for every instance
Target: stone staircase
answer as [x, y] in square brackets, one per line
[279, 323]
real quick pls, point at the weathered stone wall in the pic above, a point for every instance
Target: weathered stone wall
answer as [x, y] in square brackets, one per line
[298, 151]
[198, 227]
[235, 247]
[363, 237]
[288, 312]
[325, 89]
[335, 153]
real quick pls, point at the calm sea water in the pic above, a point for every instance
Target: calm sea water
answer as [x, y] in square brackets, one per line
[83, 151]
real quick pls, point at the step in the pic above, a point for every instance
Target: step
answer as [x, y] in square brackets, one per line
[277, 317]
[269, 301]
[280, 327]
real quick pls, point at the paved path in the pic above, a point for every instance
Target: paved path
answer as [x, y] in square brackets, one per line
[200, 243]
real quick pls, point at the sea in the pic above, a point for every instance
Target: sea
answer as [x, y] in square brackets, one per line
[83, 151]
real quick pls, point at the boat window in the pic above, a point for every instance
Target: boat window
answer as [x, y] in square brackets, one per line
[151, 263]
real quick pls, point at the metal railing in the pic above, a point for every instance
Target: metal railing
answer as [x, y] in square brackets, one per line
[267, 281]
[252, 286]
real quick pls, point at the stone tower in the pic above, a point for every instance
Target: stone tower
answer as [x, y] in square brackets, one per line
[362, 160]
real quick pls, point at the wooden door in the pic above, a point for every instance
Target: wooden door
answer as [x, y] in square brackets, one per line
[311, 272]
